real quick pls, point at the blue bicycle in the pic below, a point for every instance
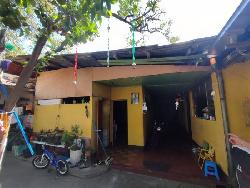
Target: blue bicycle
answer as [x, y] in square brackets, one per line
[48, 157]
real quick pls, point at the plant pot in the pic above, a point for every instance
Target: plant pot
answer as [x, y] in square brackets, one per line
[75, 156]
[18, 149]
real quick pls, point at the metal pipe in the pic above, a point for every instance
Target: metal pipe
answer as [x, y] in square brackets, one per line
[225, 121]
[23, 133]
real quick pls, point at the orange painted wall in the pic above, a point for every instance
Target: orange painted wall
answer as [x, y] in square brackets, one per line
[59, 84]
[104, 73]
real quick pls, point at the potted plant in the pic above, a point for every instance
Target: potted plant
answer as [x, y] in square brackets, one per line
[75, 154]
[67, 139]
[75, 148]
[18, 146]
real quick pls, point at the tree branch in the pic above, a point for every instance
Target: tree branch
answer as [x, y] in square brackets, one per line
[142, 22]
[25, 74]
[122, 19]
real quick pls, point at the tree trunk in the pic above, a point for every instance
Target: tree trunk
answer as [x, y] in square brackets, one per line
[25, 74]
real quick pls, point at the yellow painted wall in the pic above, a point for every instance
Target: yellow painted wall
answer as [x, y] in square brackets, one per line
[63, 116]
[211, 131]
[135, 114]
[237, 89]
[45, 117]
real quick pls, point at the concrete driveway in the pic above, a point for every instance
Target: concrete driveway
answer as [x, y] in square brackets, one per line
[20, 173]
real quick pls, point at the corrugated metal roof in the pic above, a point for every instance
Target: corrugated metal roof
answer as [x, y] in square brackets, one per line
[189, 52]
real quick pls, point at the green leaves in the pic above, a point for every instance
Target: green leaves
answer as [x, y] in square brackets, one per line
[10, 15]
[128, 7]
[77, 20]
[109, 12]
[78, 17]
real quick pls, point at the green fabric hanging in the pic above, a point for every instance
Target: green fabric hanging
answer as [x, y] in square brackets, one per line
[9, 46]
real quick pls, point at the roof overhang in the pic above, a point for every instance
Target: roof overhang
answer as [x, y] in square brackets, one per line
[163, 84]
[186, 53]
[234, 38]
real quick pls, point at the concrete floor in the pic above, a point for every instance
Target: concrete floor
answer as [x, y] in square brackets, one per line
[20, 173]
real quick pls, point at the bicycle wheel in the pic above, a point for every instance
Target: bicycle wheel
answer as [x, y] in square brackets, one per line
[40, 162]
[62, 167]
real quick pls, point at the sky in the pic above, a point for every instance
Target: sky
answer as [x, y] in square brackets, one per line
[191, 19]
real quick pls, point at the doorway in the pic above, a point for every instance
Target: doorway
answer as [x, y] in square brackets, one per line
[120, 123]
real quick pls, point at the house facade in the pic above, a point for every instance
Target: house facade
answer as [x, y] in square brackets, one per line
[137, 96]
[103, 86]
[97, 84]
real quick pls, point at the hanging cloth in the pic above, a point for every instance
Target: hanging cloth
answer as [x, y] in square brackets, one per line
[4, 122]
[4, 90]
[5, 64]
[75, 67]
[4, 131]
[133, 44]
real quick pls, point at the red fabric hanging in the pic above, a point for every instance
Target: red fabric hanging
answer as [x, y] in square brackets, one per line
[75, 67]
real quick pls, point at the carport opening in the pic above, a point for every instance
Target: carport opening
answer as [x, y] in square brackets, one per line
[169, 153]
[170, 124]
